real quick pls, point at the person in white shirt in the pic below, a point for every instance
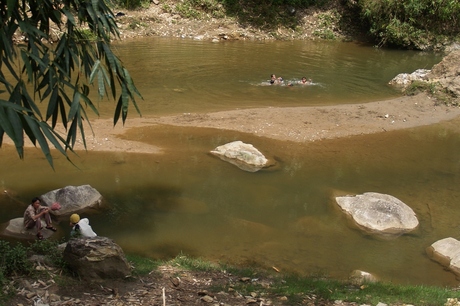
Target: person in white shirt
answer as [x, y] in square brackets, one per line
[80, 227]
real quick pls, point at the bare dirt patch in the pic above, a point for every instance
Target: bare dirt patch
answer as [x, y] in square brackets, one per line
[167, 285]
[297, 124]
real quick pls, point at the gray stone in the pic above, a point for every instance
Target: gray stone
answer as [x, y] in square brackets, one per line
[358, 277]
[379, 213]
[446, 252]
[96, 258]
[15, 228]
[447, 73]
[242, 155]
[405, 79]
[73, 199]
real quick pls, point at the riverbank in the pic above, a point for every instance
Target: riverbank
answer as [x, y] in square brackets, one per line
[297, 124]
[333, 21]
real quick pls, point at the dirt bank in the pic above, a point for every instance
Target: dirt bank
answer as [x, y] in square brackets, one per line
[163, 19]
[298, 124]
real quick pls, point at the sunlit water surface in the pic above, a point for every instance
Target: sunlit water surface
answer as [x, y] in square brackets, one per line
[188, 201]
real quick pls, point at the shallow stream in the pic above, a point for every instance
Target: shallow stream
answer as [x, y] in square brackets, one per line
[188, 201]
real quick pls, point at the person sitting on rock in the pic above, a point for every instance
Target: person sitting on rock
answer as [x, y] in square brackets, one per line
[33, 217]
[80, 227]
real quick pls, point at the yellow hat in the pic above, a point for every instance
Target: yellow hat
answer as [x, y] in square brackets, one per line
[74, 218]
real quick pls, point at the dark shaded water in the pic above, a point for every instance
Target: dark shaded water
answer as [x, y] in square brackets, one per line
[188, 201]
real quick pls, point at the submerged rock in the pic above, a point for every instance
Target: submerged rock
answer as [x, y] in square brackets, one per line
[242, 155]
[358, 277]
[379, 213]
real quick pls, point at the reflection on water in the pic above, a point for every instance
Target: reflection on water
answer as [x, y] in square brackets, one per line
[187, 200]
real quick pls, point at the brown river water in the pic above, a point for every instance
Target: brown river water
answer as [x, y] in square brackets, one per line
[186, 201]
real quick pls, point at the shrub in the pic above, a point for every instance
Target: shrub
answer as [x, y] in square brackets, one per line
[13, 259]
[410, 23]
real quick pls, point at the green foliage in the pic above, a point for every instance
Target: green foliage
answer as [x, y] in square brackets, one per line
[266, 14]
[410, 23]
[327, 22]
[141, 265]
[49, 248]
[434, 89]
[190, 263]
[13, 259]
[59, 76]
[199, 9]
[133, 4]
[298, 289]
[419, 86]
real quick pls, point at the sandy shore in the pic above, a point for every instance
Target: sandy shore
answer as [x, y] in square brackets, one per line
[298, 124]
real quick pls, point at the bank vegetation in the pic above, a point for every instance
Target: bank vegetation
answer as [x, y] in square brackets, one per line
[36, 273]
[410, 24]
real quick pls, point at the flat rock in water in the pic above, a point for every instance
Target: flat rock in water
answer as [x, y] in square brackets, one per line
[379, 213]
[15, 228]
[242, 155]
[446, 252]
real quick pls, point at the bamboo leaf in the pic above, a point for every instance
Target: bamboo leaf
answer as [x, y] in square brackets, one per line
[72, 134]
[116, 115]
[47, 131]
[101, 82]
[75, 106]
[11, 4]
[62, 110]
[27, 66]
[5, 124]
[2, 132]
[34, 127]
[94, 71]
[15, 120]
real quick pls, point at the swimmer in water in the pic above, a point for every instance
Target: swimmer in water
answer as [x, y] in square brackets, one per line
[304, 81]
[274, 80]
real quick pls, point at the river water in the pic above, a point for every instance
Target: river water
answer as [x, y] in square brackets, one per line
[188, 201]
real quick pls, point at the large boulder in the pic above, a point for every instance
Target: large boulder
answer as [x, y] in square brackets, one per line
[242, 155]
[446, 252]
[379, 213]
[447, 73]
[15, 229]
[73, 199]
[96, 258]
